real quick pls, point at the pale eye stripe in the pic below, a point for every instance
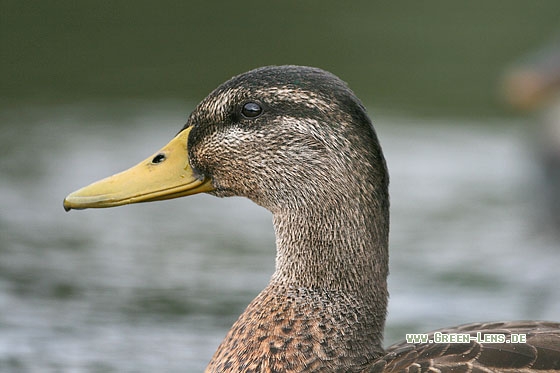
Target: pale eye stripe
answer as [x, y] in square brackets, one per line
[220, 104]
[306, 98]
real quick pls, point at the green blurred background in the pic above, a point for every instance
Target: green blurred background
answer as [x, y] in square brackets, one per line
[423, 57]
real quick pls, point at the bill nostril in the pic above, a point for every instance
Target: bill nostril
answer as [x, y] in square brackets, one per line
[158, 158]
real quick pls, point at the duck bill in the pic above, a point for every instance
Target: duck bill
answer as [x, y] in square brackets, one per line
[165, 175]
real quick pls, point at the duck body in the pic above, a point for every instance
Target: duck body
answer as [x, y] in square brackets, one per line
[298, 142]
[295, 330]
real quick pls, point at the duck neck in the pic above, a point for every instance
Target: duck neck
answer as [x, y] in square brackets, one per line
[331, 248]
[339, 251]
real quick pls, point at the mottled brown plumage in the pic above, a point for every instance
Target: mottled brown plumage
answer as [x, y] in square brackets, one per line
[541, 352]
[305, 149]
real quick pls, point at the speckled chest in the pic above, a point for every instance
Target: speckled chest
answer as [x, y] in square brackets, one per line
[297, 330]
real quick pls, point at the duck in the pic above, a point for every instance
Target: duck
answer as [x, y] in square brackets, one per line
[297, 141]
[531, 85]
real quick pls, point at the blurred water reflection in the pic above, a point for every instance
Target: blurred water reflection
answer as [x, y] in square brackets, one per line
[154, 287]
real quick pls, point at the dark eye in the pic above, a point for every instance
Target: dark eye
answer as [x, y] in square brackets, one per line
[251, 110]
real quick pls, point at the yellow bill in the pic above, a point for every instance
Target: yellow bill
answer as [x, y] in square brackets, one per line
[165, 175]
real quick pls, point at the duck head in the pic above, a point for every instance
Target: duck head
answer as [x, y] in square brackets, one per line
[283, 136]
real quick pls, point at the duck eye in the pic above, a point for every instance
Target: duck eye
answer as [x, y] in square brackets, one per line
[158, 158]
[251, 110]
